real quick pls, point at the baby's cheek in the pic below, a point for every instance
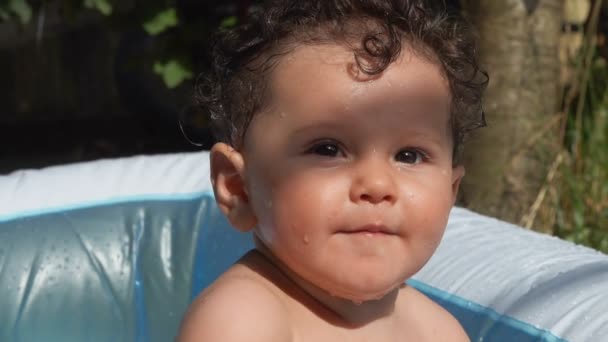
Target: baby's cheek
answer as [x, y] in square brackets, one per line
[429, 206]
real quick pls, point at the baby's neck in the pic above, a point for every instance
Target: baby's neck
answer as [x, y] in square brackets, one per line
[337, 310]
[353, 314]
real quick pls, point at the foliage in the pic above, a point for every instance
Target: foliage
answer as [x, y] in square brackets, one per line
[582, 207]
[582, 195]
[20, 9]
[173, 72]
[162, 20]
[102, 6]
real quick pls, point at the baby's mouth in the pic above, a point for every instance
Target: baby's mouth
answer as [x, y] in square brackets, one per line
[369, 229]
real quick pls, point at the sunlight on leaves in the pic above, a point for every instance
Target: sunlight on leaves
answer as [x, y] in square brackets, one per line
[173, 72]
[102, 6]
[22, 9]
[229, 22]
[161, 21]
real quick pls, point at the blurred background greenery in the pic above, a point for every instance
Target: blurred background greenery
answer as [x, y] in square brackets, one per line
[89, 79]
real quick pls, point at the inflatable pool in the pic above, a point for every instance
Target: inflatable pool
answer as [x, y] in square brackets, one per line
[115, 250]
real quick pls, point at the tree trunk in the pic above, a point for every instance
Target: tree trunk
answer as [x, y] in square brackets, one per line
[508, 161]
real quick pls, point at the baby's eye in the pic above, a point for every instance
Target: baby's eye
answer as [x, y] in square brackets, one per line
[326, 149]
[410, 156]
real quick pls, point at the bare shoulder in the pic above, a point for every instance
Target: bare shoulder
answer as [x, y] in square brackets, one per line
[435, 322]
[239, 306]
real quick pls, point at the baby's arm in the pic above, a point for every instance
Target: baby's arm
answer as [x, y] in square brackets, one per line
[236, 310]
[450, 329]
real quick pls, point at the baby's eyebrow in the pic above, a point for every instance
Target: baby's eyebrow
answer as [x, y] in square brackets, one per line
[318, 126]
[427, 138]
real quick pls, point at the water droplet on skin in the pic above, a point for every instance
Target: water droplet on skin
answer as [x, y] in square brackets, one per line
[444, 172]
[410, 195]
[281, 115]
[357, 302]
[268, 204]
[306, 239]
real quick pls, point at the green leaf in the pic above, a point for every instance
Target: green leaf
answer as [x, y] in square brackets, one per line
[173, 72]
[162, 21]
[102, 6]
[229, 22]
[22, 9]
[579, 218]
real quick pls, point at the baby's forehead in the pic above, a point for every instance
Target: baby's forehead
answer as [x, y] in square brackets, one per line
[316, 72]
[313, 88]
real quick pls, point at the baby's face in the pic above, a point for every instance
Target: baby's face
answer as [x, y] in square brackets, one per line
[351, 181]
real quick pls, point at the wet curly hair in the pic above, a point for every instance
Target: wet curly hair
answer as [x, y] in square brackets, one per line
[235, 87]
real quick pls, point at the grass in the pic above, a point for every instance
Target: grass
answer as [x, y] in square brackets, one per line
[582, 201]
[580, 192]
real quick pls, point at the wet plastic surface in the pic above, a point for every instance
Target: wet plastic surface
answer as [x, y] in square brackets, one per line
[120, 272]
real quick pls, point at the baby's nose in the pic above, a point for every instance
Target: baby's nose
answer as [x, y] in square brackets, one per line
[373, 183]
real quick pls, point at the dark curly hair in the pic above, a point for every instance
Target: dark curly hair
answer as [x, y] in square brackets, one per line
[234, 89]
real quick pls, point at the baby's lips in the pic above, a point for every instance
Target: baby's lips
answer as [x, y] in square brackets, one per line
[370, 228]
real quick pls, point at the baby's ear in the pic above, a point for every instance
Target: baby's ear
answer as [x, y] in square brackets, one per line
[227, 177]
[457, 174]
